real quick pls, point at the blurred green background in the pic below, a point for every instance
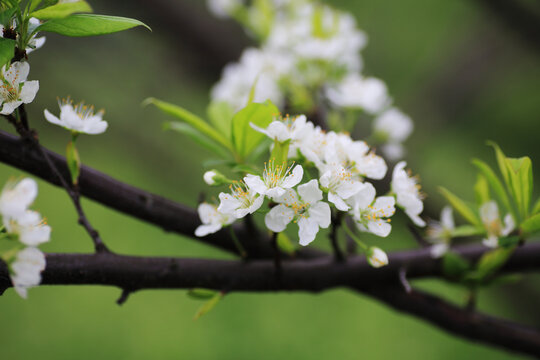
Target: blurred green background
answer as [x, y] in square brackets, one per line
[461, 75]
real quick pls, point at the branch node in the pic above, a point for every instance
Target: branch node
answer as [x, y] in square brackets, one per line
[124, 296]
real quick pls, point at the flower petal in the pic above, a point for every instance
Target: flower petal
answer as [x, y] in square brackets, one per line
[278, 217]
[310, 192]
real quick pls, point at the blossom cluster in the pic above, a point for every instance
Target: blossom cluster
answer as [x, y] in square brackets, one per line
[329, 170]
[25, 230]
[312, 49]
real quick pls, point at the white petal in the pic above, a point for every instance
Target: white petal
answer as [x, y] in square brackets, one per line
[384, 206]
[379, 227]
[509, 225]
[228, 204]
[51, 118]
[348, 188]
[320, 212]
[417, 220]
[97, 128]
[29, 91]
[438, 250]
[275, 193]
[489, 212]
[307, 230]
[338, 202]
[257, 203]
[377, 258]
[278, 217]
[491, 242]
[256, 184]
[447, 219]
[35, 235]
[207, 213]
[364, 197]
[294, 178]
[310, 192]
[203, 230]
[9, 107]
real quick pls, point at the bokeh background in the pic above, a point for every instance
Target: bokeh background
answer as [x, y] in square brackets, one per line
[454, 66]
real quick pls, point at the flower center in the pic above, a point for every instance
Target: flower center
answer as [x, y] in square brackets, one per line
[240, 192]
[273, 175]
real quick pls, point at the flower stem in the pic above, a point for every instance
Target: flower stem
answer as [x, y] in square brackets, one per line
[277, 255]
[355, 238]
[238, 244]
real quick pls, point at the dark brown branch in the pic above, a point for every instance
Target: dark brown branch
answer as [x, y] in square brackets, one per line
[135, 273]
[30, 139]
[127, 199]
[470, 325]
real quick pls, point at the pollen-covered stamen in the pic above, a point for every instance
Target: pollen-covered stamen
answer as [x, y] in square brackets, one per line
[10, 92]
[81, 109]
[373, 214]
[274, 175]
[300, 209]
[241, 192]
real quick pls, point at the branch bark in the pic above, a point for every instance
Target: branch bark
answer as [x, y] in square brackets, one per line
[132, 273]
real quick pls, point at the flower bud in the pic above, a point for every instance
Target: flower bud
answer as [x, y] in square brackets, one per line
[215, 178]
[376, 257]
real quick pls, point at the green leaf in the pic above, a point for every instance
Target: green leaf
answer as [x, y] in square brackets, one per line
[209, 305]
[520, 175]
[481, 190]
[62, 10]
[509, 241]
[536, 207]
[284, 243]
[454, 266]
[461, 207]
[73, 161]
[7, 50]
[531, 225]
[467, 230]
[501, 160]
[492, 261]
[220, 114]
[191, 119]
[495, 184]
[245, 169]
[89, 25]
[244, 137]
[7, 13]
[279, 154]
[201, 293]
[197, 137]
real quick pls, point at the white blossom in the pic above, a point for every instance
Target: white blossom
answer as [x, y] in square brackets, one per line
[489, 213]
[340, 184]
[30, 228]
[440, 233]
[288, 128]
[212, 220]
[370, 213]
[243, 200]
[26, 270]
[208, 177]
[276, 179]
[16, 197]
[407, 193]
[15, 90]
[376, 257]
[304, 208]
[315, 33]
[78, 118]
[393, 127]
[258, 69]
[355, 91]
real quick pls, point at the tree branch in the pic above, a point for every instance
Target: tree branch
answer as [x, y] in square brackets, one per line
[132, 273]
[125, 198]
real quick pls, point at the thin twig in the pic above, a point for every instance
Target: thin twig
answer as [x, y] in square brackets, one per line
[31, 137]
